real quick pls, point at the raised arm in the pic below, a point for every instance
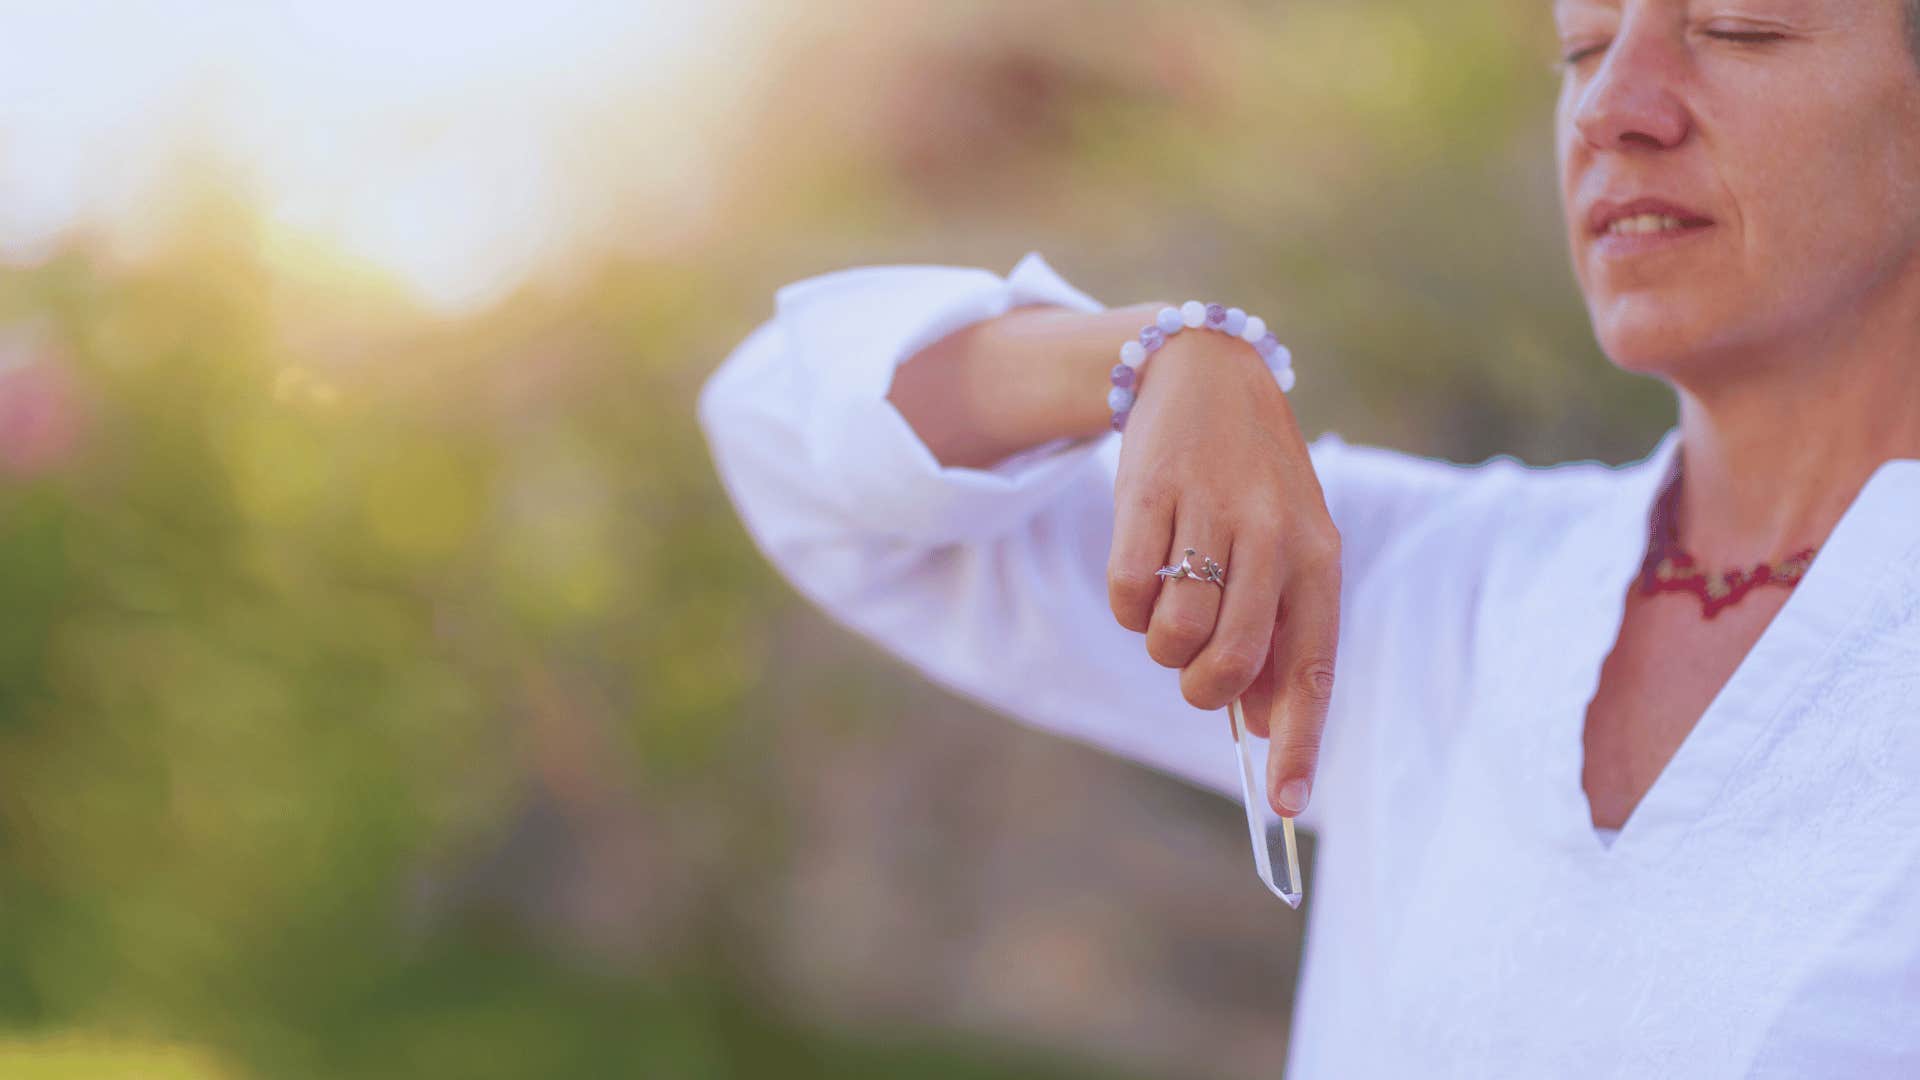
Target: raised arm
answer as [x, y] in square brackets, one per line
[991, 577]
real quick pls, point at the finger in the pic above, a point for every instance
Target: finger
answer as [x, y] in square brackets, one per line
[1242, 636]
[1256, 703]
[1185, 612]
[1304, 644]
[1142, 532]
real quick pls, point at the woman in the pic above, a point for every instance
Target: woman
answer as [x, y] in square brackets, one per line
[1579, 817]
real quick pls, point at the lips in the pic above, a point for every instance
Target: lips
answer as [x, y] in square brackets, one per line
[1604, 213]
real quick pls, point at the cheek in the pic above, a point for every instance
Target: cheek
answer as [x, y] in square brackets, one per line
[1826, 200]
[1890, 174]
[1565, 146]
[1568, 161]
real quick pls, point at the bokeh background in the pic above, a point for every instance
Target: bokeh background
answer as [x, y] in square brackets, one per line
[386, 686]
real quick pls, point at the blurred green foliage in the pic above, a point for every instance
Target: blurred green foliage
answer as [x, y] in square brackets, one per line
[330, 603]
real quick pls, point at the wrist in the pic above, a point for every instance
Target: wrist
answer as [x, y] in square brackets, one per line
[1070, 354]
[1172, 322]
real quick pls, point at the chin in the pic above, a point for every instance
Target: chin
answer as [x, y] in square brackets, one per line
[1652, 338]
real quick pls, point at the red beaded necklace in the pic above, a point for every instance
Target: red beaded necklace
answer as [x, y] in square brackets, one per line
[1669, 569]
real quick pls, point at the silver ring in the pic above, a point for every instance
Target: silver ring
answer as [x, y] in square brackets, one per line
[1209, 570]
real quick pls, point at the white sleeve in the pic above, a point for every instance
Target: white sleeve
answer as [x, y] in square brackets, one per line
[991, 582]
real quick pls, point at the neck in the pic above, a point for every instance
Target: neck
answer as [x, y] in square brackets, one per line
[1773, 456]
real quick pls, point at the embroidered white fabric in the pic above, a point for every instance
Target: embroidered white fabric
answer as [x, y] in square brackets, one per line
[1755, 917]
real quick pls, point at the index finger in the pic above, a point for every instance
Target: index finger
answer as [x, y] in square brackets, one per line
[1304, 646]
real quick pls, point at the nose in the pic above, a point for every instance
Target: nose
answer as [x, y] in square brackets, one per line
[1632, 101]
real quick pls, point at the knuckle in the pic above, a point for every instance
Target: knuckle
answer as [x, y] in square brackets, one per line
[1166, 655]
[1300, 744]
[1229, 670]
[1173, 639]
[1314, 680]
[1130, 617]
[1217, 677]
[1319, 547]
[1128, 585]
[1260, 540]
[1185, 629]
[1261, 519]
[1198, 696]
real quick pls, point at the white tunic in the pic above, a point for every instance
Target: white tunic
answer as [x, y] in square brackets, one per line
[1757, 915]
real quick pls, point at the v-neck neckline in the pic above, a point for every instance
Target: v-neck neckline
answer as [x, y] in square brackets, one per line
[1881, 522]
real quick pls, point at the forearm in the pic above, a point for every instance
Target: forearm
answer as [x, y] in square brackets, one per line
[1003, 385]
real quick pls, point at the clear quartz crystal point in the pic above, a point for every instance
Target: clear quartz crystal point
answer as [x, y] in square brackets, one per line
[1275, 855]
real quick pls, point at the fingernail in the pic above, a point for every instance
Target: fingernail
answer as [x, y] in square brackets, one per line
[1293, 795]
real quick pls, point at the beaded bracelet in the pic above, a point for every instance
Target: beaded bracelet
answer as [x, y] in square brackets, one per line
[1189, 316]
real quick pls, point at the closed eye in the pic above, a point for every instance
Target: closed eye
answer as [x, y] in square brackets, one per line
[1574, 56]
[1743, 37]
[1749, 37]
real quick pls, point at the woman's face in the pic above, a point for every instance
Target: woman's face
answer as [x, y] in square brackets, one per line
[1736, 171]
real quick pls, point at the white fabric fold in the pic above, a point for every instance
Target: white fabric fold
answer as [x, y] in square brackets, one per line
[1754, 917]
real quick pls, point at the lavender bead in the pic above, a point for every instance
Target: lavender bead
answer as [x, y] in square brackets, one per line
[1266, 347]
[1282, 358]
[1120, 420]
[1121, 375]
[1119, 399]
[1216, 317]
[1286, 380]
[1169, 320]
[1152, 338]
[1236, 321]
[1255, 329]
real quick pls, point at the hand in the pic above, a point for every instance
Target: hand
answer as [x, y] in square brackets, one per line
[1213, 460]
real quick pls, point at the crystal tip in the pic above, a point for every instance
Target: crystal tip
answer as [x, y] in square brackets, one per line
[1292, 898]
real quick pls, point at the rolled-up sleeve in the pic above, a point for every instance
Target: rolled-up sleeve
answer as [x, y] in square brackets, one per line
[824, 365]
